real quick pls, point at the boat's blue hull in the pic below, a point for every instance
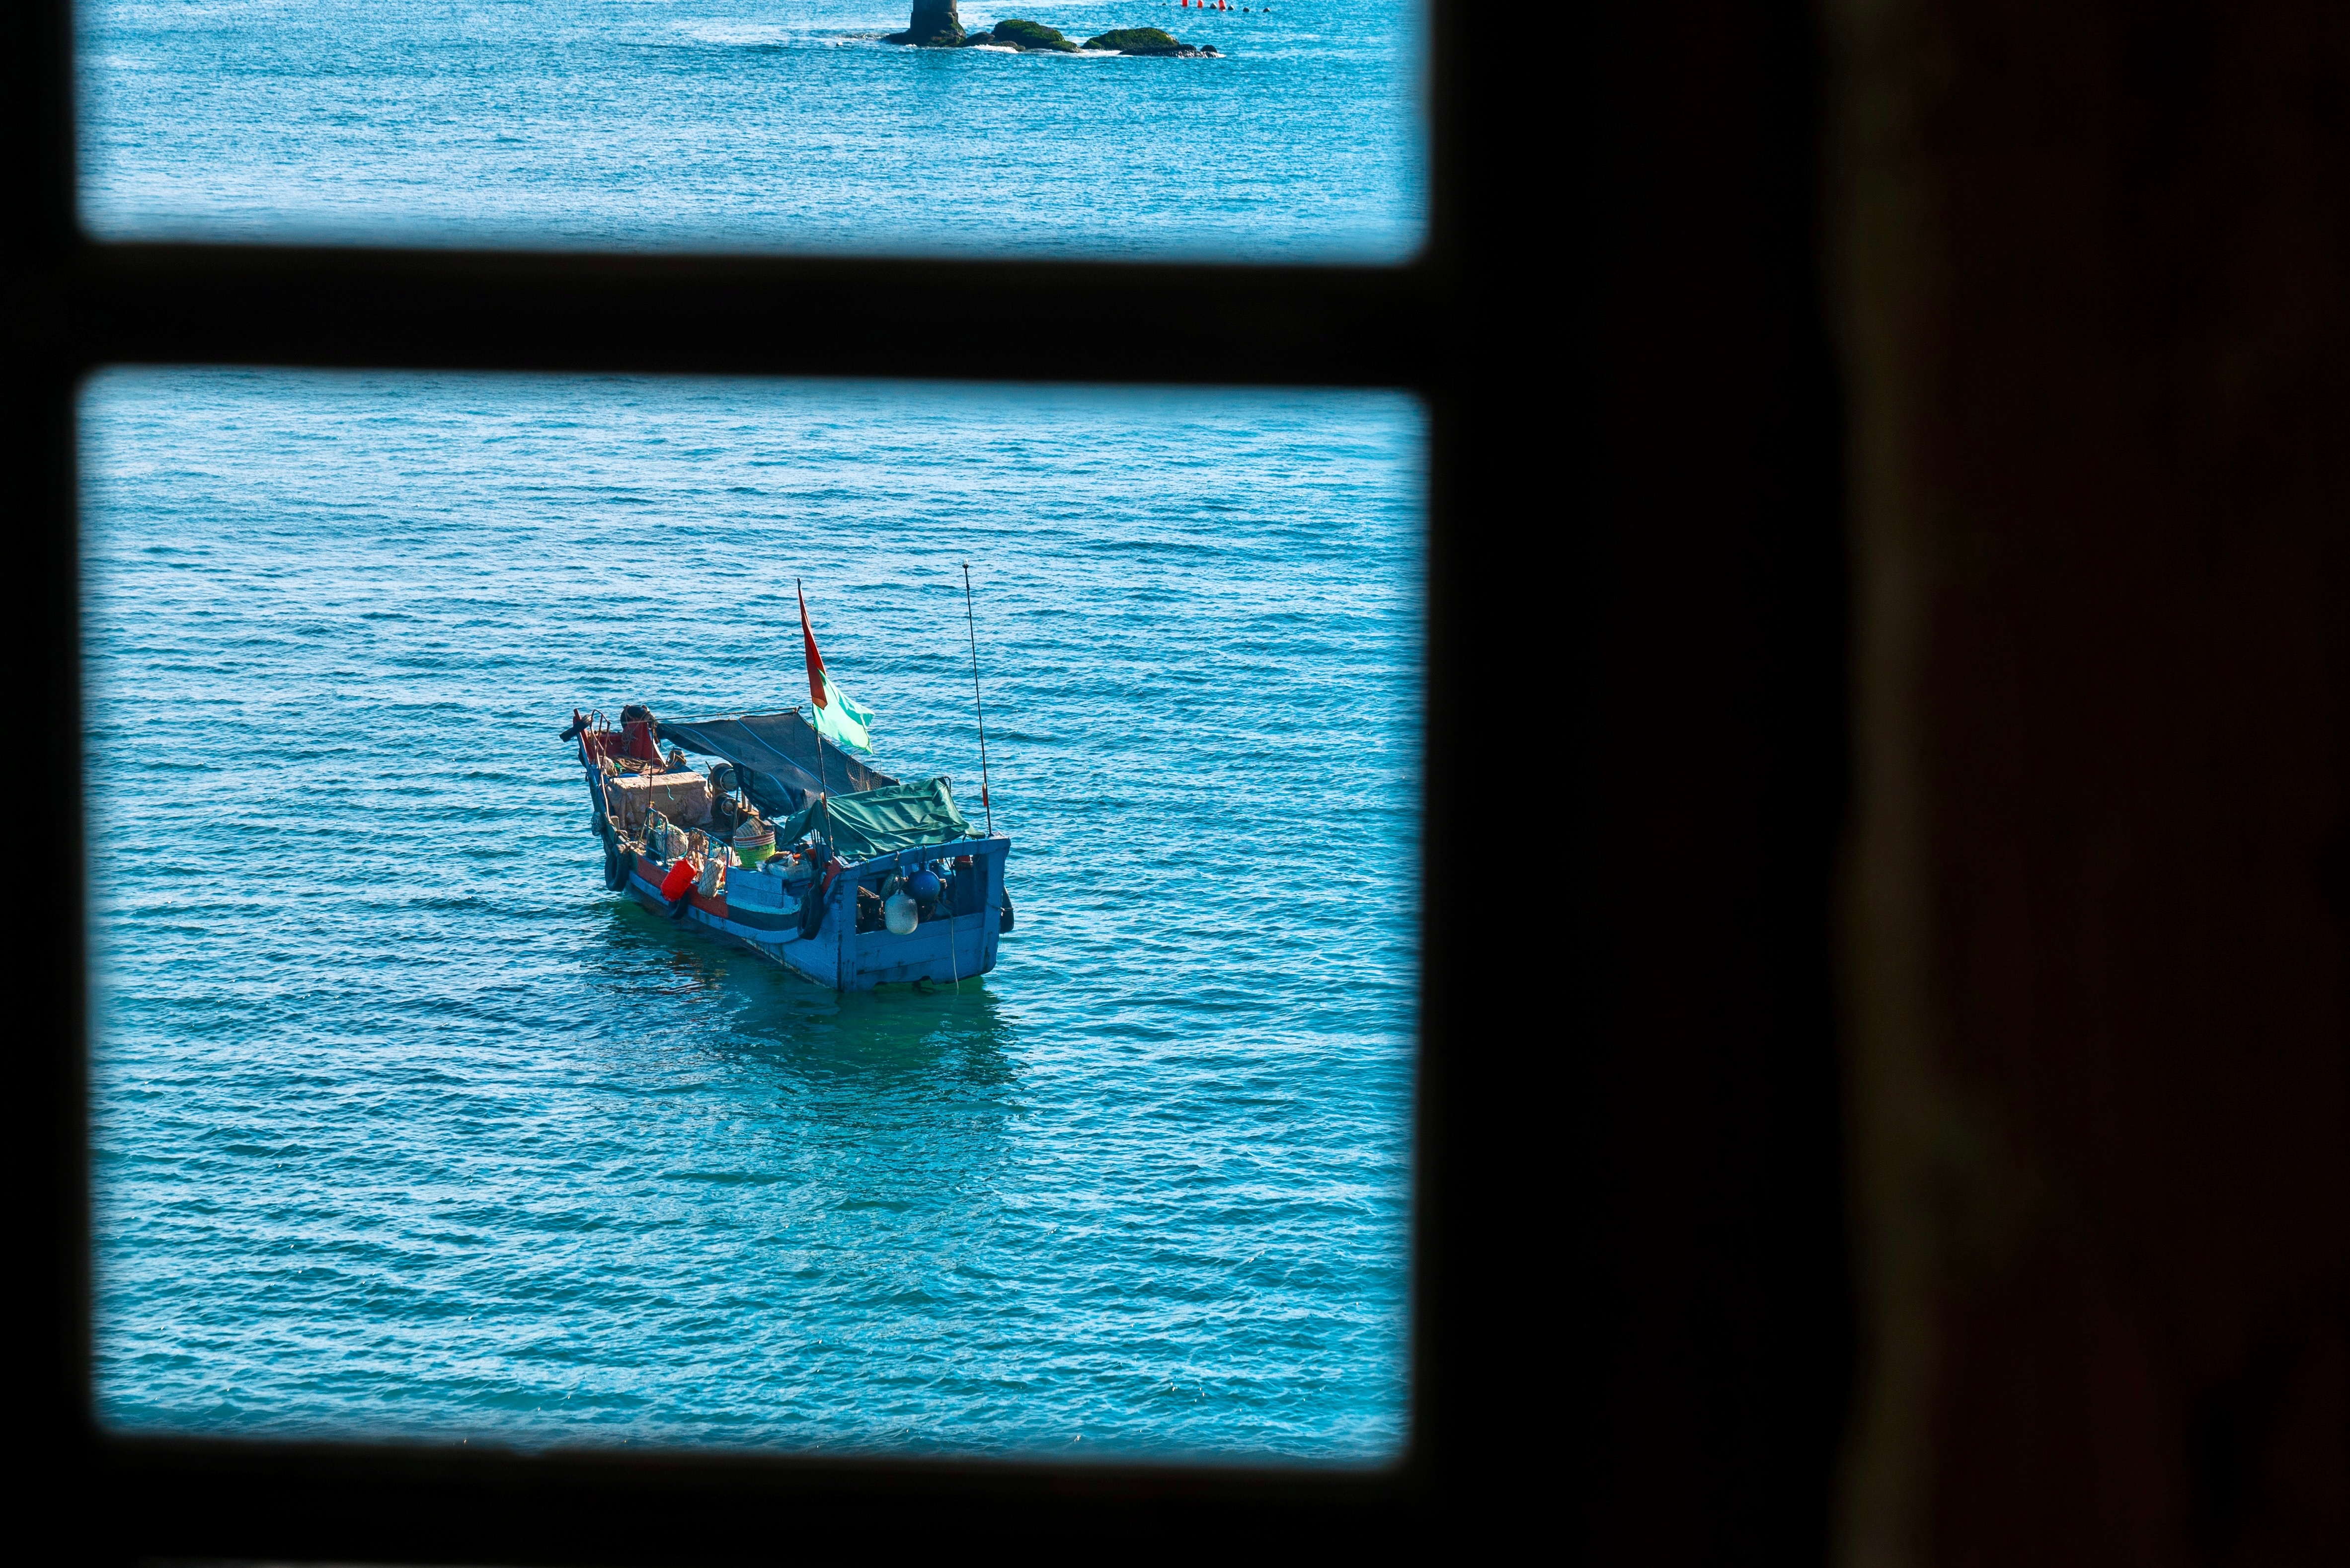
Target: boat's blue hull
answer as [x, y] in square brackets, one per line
[947, 949]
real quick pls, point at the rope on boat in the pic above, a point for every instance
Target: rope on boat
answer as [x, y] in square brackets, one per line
[972, 627]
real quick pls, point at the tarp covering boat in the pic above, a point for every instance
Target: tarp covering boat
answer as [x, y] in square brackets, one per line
[882, 821]
[777, 753]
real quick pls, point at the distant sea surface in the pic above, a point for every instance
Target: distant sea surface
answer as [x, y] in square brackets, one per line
[753, 124]
[403, 1126]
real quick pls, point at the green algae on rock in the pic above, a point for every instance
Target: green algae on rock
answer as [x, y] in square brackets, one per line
[1138, 41]
[1143, 41]
[1022, 34]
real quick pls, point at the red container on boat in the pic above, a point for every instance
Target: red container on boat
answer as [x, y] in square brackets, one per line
[680, 878]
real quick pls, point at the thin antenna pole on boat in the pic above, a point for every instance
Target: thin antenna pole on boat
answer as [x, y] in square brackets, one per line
[971, 626]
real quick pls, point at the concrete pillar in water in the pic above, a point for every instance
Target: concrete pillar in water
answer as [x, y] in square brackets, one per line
[934, 22]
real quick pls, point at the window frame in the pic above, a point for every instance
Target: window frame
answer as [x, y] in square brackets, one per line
[77, 305]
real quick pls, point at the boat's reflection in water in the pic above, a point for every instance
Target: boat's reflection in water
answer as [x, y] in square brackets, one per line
[746, 1009]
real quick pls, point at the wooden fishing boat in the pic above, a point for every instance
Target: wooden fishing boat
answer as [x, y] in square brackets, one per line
[791, 847]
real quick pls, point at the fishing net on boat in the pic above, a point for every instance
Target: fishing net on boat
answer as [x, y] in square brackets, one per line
[882, 821]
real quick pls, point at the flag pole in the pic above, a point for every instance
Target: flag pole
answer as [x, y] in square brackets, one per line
[972, 627]
[824, 790]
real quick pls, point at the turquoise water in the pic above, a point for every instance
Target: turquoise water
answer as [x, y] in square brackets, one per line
[404, 1127]
[758, 124]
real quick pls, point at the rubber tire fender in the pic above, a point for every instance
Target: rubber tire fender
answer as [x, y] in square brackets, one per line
[1004, 922]
[618, 864]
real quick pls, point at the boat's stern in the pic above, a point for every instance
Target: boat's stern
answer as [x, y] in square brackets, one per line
[955, 938]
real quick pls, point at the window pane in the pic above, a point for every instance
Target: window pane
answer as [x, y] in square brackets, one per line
[404, 1125]
[755, 124]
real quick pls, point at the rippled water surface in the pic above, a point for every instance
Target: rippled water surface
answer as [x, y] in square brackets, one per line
[402, 1124]
[753, 123]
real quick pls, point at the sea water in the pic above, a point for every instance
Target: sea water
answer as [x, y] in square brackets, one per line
[757, 124]
[403, 1126]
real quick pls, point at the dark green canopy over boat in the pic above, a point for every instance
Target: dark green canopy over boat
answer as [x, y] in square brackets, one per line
[882, 821]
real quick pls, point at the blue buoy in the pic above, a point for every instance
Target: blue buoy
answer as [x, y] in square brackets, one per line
[923, 885]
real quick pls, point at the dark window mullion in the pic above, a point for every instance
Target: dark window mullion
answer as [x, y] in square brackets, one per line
[980, 320]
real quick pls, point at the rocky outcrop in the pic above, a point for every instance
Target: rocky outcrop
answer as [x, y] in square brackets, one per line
[1019, 34]
[935, 25]
[1143, 41]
